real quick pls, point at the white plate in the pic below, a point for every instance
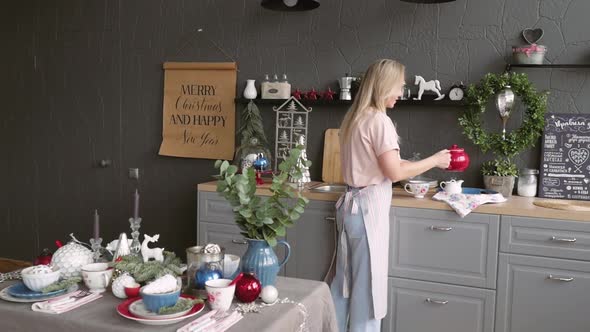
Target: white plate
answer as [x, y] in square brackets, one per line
[138, 309]
[7, 297]
[123, 310]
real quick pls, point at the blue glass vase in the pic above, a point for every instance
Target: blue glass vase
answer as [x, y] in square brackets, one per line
[261, 260]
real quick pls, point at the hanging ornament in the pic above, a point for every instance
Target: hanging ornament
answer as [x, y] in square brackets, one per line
[269, 294]
[71, 257]
[504, 104]
[248, 288]
[44, 258]
[119, 284]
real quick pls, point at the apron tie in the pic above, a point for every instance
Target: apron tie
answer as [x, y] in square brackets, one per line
[348, 202]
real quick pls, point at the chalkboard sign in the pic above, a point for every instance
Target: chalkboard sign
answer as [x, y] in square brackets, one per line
[565, 159]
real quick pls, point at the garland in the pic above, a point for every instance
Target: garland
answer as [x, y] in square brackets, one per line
[142, 272]
[517, 140]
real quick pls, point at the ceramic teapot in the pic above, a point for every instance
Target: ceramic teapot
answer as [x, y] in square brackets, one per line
[452, 187]
[459, 159]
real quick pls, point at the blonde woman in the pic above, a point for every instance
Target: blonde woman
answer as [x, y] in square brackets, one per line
[370, 163]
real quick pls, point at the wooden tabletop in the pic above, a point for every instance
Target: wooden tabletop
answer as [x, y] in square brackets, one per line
[515, 206]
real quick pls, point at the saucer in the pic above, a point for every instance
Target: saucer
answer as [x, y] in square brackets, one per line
[21, 291]
[123, 310]
[4, 295]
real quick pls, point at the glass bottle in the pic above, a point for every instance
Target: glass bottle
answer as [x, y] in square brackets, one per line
[527, 182]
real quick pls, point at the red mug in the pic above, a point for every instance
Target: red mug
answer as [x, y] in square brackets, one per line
[459, 159]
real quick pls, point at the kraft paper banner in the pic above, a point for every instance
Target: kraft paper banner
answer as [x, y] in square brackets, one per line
[199, 111]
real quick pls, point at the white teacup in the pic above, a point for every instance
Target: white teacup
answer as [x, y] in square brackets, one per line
[97, 276]
[219, 294]
[417, 189]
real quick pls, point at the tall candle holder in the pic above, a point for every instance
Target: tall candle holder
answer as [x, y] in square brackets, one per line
[95, 244]
[135, 247]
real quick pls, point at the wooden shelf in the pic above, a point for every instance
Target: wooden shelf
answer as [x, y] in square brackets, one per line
[549, 65]
[426, 101]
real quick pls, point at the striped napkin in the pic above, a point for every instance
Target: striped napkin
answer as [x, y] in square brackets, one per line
[65, 303]
[213, 321]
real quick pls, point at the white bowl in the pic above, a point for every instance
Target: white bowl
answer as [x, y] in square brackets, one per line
[231, 263]
[36, 282]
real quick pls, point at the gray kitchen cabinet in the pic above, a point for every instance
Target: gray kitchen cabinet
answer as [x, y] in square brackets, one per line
[418, 306]
[434, 245]
[313, 241]
[537, 294]
[545, 237]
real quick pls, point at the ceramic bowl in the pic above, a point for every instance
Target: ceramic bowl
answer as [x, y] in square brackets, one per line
[36, 282]
[132, 290]
[153, 302]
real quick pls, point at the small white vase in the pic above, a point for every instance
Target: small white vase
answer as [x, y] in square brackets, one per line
[250, 90]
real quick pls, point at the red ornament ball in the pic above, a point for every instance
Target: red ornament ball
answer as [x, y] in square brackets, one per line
[248, 288]
[44, 258]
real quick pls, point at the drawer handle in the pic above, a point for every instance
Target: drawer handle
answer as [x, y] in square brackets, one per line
[330, 219]
[239, 241]
[440, 302]
[563, 239]
[439, 228]
[564, 279]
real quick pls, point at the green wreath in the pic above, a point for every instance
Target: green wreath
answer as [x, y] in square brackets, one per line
[477, 97]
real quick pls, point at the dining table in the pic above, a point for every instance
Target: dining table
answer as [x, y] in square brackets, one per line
[303, 305]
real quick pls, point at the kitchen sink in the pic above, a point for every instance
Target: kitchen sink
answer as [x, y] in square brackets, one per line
[328, 188]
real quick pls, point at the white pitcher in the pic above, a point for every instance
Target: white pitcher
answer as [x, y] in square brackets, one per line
[452, 187]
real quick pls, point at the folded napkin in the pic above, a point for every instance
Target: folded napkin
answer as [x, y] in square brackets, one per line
[463, 204]
[65, 303]
[212, 321]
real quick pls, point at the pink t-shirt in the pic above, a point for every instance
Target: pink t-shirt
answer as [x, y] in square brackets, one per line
[373, 135]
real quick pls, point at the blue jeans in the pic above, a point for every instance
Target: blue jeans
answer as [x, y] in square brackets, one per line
[357, 310]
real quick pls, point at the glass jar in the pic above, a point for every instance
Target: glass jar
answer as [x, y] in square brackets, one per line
[202, 267]
[527, 182]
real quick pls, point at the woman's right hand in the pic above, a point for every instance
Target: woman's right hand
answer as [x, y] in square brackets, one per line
[442, 158]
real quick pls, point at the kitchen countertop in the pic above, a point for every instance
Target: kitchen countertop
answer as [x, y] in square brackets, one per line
[515, 206]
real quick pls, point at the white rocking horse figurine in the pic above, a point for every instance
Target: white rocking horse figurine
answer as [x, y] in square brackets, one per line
[433, 85]
[147, 253]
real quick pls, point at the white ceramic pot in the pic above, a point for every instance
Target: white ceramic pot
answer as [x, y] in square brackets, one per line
[452, 187]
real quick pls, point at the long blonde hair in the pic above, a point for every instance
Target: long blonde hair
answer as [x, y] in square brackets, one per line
[376, 86]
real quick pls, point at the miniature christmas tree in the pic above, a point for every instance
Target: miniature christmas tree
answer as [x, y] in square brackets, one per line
[253, 140]
[284, 137]
[292, 106]
[299, 122]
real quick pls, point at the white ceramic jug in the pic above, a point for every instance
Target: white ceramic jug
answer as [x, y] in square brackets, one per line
[452, 187]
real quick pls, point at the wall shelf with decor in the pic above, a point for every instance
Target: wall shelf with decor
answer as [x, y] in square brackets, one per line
[337, 102]
[549, 65]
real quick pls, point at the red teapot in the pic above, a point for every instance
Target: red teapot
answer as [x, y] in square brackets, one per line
[459, 159]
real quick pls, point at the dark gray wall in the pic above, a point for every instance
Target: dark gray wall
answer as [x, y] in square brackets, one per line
[83, 81]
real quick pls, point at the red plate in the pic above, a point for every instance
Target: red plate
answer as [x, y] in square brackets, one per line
[123, 310]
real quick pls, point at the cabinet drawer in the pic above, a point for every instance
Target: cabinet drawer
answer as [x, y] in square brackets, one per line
[542, 294]
[545, 237]
[439, 246]
[214, 208]
[430, 307]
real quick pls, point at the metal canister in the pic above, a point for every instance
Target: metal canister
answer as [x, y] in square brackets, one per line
[202, 267]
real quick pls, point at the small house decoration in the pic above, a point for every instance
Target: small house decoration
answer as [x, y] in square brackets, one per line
[292, 123]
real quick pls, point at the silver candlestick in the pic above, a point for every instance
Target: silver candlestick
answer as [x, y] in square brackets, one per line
[95, 244]
[504, 104]
[135, 247]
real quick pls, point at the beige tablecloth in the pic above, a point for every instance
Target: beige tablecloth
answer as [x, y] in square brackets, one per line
[101, 315]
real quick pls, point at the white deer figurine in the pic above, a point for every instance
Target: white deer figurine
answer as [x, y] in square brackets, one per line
[433, 85]
[147, 253]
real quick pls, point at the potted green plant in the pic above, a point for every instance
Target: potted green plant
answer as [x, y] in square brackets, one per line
[500, 173]
[262, 221]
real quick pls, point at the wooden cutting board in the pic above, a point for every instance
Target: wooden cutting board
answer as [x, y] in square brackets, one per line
[331, 170]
